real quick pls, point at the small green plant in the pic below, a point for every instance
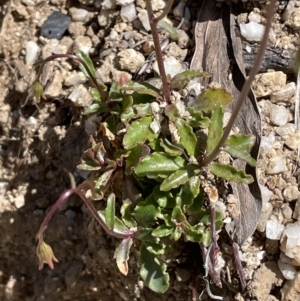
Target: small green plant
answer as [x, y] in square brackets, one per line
[152, 161]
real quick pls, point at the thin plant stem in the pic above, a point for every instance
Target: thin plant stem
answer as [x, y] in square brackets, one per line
[238, 265]
[159, 57]
[75, 58]
[246, 87]
[63, 197]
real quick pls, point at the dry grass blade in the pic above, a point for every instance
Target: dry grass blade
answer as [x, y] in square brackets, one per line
[219, 52]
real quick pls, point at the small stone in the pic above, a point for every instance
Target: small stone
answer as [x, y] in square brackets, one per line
[19, 201]
[148, 47]
[124, 2]
[287, 270]
[50, 48]
[77, 29]
[182, 11]
[78, 14]
[276, 165]
[172, 66]
[290, 242]
[128, 13]
[82, 43]
[284, 94]
[158, 5]
[285, 131]
[130, 60]
[54, 89]
[177, 52]
[183, 39]
[266, 193]
[74, 79]
[287, 211]
[55, 26]
[120, 76]
[182, 275]
[32, 52]
[80, 96]
[279, 115]
[103, 73]
[105, 16]
[294, 19]
[267, 142]
[143, 17]
[22, 11]
[3, 187]
[267, 83]
[293, 142]
[291, 289]
[254, 17]
[296, 214]
[272, 246]
[274, 229]
[290, 193]
[266, 278]
[252, 31]
[109, 4]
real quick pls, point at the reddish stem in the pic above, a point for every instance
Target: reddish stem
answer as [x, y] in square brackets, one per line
[153, 25]
[63, 197]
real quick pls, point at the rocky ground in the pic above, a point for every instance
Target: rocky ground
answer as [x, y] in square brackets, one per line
[41, 141]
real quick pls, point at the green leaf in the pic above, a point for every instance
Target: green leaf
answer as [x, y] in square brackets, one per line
[158, 248]
[210, 99]
[162, 231]
[187, 137]
[193, 233]
[119, 226]
[229, 173]
[238, 146]
[115, 93]
[126, 212]
[146, 212]
[136, 111]
[178, 216]
[138, 132]
[103, 180]
[122, 255]
[206, 239]
[169, 28]
[172, 112]
[127, 102]
[181, 80]
[96, 108]
[169, 148]
[153, 272]
[177, 233]
[145, 234]
[135, 156]
[215, 129]
[140, 88]
[163, 198]
[179, 177]
[88, 62]
[190, 190]
[110, 211]
[159, 164]
[197, 207]
[197, 120]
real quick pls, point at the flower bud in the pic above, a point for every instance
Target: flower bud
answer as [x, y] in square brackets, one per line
[45, 255]
[38, 92]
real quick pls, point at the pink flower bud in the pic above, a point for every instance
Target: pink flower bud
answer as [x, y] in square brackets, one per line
[45, 255]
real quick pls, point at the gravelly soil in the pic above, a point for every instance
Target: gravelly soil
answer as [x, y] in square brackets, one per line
[39, 144]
